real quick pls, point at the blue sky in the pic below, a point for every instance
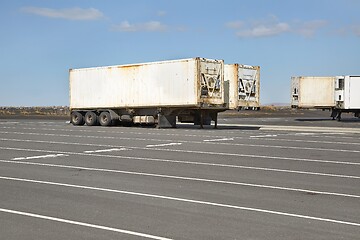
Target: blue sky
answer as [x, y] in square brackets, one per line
[42, 39]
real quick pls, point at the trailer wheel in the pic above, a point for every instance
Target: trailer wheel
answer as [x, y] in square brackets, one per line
[77, 118]
[91, 118]
[105, 119]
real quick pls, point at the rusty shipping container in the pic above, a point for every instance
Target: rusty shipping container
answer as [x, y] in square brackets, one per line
[148, 93]
[243, 84]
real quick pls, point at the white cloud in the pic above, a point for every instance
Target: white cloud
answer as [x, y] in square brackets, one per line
[152, 26]
[273, 27]
[161, 13]
[235, 24]
[308, 29]
[67, 13]
[356, 30]
[261, 28]
[347, 30]
[264, 30]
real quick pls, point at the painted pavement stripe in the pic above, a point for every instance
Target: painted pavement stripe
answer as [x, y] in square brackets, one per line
[214, 204]
[89, 225]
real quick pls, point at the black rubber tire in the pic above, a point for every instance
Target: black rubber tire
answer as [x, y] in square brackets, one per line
[91, 119]
[77, 118]
[105, 119]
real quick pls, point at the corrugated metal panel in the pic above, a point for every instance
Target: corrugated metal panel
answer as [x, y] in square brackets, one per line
[167, 83]
[231, 77]
[313, 92]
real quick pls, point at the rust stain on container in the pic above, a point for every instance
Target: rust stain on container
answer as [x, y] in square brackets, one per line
[168, 83]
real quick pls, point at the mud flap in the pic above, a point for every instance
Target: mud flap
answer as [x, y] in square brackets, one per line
[166, 121]
[202, 118]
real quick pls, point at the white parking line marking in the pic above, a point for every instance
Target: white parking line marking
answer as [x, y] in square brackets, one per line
[214, 204]
[42, 156]
[106, 150]
[220, 139]
[313, 135]
[263, 136]
[306, 134]
[303, 141]
[163, 145]
[148, 132]
[191, 142]
[83, 224]
[184, 178]
[252, 156]
[215, 164]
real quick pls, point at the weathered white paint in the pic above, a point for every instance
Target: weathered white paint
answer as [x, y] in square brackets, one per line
[157, 84]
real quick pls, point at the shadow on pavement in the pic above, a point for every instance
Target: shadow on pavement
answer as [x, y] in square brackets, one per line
[349, 120]
[219, 127]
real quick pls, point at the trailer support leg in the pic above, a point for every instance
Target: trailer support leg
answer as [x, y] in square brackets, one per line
[214, 117]
[334, 113]
[338, 117]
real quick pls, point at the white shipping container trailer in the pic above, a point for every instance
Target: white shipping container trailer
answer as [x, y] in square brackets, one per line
[313, 92]
[243, 85]
[339, 94]
[148, 93]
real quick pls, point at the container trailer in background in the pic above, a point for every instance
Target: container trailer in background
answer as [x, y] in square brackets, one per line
[150, 93]
[242, 84]
[347, 96]
[338, 94]
[313, 92]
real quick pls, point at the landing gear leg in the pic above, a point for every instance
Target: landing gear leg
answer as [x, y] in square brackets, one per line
[334, 113]
[338, 117]
[201, 119]
[214, 117]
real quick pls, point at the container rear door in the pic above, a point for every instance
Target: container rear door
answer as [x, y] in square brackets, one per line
[249, 86]
[316, 92]
[295, 91]
[211, 81]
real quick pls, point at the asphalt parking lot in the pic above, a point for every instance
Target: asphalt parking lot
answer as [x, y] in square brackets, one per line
[249, 179]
